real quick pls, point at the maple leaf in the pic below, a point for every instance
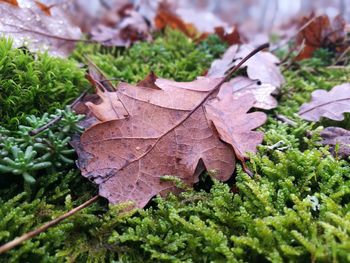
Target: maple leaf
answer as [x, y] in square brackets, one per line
[320, 32]
[36, 30]
[330, 104]
[127, 157]
[338, 139]
[263, 66]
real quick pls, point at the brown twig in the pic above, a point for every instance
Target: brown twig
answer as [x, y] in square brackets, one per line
[6, 247]
[56, 119]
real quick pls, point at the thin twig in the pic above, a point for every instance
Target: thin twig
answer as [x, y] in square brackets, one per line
[284, 119]
[6, 247]
[56, 119]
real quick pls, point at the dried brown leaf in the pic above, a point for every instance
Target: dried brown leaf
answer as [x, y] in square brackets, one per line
[262, 66]
[231, 38]
[11, 2]
[234, 124]
[164, 135]
[36, 30]
[167, 18]
[330, 104]
[321, 32]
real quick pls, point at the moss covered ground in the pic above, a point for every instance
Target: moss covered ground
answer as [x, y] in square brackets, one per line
[295, 209]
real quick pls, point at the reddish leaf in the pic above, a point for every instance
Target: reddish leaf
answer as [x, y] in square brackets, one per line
[234, 124]
[46, 9]
[160, 136]
[11, 2]
[230, 38]
[166, 17]
[330, 104]
[261, 67]
[334, 136]
[320, 32]
[38, 31]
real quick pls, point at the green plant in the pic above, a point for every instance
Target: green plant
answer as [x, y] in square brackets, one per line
[35, 83]
[172, 56]
[24, 154]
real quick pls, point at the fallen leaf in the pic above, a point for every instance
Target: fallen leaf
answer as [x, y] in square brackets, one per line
[127, 157]
[132, 27]
[37, 31]
[263, 66]
[45, 8]
[330, 104]
[11, 2]
[320, 32]
[167, 18]
[334, 136]
[261, 92]
[231, 38]
[229, 115]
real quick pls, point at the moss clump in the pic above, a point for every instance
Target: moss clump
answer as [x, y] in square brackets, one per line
[295, 209]
[172, 56]
[35, 83]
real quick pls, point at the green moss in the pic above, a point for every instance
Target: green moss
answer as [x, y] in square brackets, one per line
[35, 83]
[172, 56]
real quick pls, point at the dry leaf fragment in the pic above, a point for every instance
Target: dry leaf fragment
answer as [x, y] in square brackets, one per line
[11, 2]
[240, 86]
[231, 38]
[166, 17]
[38, 31]
[334, 136]
[263, 66]
[162, 135]
[45, 8]
[234, 124]
[321, 32]
[130, 28]
[330, 104]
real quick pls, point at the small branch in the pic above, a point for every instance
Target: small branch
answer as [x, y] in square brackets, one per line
[6, 247]
[56, 119]
[284, 119]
